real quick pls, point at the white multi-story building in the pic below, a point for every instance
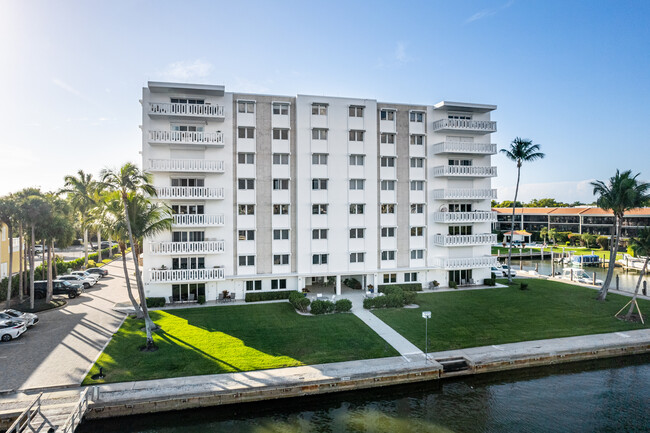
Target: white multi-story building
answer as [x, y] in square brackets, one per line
[278, 192]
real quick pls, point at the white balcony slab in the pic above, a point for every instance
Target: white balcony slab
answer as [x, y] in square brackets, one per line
[189, 192]
[185, 275]
[197, 247]
[464, 171]
[464, 240]
[186, 165]
[465, 148]
[187, 137]
[464, 217]
[462, 125]
[198, 220]
[464, 263]
[464, 194]
[172, 109]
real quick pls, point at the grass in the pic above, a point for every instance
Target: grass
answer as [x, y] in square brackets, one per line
[577, 251]
[213, 340]
[473, 318]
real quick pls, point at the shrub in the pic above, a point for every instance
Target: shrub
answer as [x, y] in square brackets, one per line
[409, 298]
[490, 281]
[435, 283]
[493, 275]
[407, 287]
[155, 302]
[352, 283]
[523, 286]
[201, 299]
[343, 305]
[268, 296]
[603, 241]
[299, 301]
[453, 285]
[321, 307]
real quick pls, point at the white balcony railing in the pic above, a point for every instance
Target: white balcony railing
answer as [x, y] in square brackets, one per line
[196, 220]
[464, 194]
[464, 171]
[189, 192]
[187, 137]
[464, 240]
[465, 263]
[185, 275]
[197, 247]
[464, 217]
[187, 165]
[186, 110]
[463, 147]
[480, 126]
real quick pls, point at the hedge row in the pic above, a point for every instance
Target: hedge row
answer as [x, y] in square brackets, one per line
[407, 287]
[325, 307]
[268, 296]
[155, 302]
[394, 297]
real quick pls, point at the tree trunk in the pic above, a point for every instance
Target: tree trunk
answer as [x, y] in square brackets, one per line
[628, 316]
[50, 289]
[21, 259]
[11, 266]
[136, 307]
[43, 276]
[85, 248]
[99, 243]
[110, 247]
[512, 226]
[31, 268]
[612, 260]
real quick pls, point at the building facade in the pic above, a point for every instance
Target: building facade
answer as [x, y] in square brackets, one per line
[4, 252]
[281, 192]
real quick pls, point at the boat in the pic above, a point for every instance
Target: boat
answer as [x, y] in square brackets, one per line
[580, 276]
[586, 260]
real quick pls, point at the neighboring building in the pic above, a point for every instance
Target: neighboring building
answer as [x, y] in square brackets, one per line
[4, 252]
[280, 192]
[592, 220]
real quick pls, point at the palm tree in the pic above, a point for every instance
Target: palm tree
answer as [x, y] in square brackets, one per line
[20, 197]
[8, 216]
[622, 193]
[129, 179]
[34, 209]
[641, 246]
[56, 227]
[520, 151]
[80, 191]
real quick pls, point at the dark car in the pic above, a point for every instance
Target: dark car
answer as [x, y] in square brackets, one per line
[58, 288]
[97, 271]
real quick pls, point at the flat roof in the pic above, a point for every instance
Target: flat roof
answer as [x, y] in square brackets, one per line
[464, 106]
[188, 88]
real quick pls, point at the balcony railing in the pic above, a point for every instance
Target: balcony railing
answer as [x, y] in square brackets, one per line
[185, 275]
[197, 220]
[463, 147]
[187, 137]
[464, 171]
[186, 110]
[464, 194]
[465, 263]
[197, 247]
[464, 217]
[477, 126]
[187, 165]
[189, 192]
[464, 240]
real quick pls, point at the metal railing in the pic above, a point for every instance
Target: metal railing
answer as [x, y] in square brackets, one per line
[197, 220]
[465, 147]
[187, 137]
[465, 125]
[187, 165]
[188, 110]
[464, 170]
[190, 192]
[185, 275]
[77, 414]
[461, 193]
[464, 217]
[465, 263]
[464, 240]
[190, 247]
[25, 419]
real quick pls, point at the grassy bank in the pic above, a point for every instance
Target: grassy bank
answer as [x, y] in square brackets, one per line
[577, 251]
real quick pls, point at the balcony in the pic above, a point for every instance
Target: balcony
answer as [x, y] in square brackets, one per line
[197, 247]
[186, 165]
[185, 137]
[185, 275]
[464, 171]
[189, 192]
[463, 125]
[464, 240]
[186, 111]
[465, 263]
[464, 194]
[196, 220]
[464, 217]
[463, 147]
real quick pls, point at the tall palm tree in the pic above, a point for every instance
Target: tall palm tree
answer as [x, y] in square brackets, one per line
[622, 193]
[129, 179]
[35, 209]
[80, 191]
[520, 151]
[55, 227]
[641, 246]
[8, 216]
[20, 198]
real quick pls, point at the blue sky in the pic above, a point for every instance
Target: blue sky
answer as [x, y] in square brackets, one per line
[572, 76]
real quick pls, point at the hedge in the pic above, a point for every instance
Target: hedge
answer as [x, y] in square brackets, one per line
[299, 301]
[343, 305]
[155, 302]
[407, 287]
[268, 296]
[322, 307]
[490, 282]
[394, 297]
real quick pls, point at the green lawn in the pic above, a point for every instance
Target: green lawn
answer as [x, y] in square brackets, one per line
[506, 315]
[577, 251]
[212, 340]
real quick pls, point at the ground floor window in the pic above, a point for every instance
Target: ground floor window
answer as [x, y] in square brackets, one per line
[187, 292]
[278, 284]
[390, 278]
[411, 277]
[253, 285]
[462, 276]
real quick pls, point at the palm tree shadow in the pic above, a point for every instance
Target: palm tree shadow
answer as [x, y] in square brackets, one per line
[175, 340]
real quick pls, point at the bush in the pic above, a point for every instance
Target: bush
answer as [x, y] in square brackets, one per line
[407, 287]
[321, 307]
[268, 296]
[453, 285]
[352, 283]
[343, 305]
[523, 286]
[490, 281]
[409, 298]
[201, 300]
[603, 241]
[155, 302]
[299, 301]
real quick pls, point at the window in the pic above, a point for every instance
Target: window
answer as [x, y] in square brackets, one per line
[319, 109]
[417, 185]
[188, 263]
[187, 101]
[357, 257]
[253, 285]
[278, 284]
[388, 232]
[465, 162]
[460, 116]
[280, 109]
[188, 182]
[280, 259]
[357, 159]
[387, 161]
[187, 128]
[410, 277]
[245, 107]
[417, 208]
[319, 209]
[319, 184]
[417, 254]
[417, 231]
[354, 111]
[357, 184]
[417, 162]
[280, 209]
[193, 236]
[319, 234]
[280, 234]
[319, 259]
[356, 209]
[188, 209]
[246, 158]
[387, 138]
[390, 278]
[417, 139]
[388, 208]
[319, 134]
[246, 209]
[281, 158]
[356, 135]
[246, 183]
[416, 116]
[247, 261]
[460, 207]
[387, 115]
[388, 255]
[388, 185]
[460, 230]
[319, 159]
[280, 184]
[280, 134]
[246, 132]
[357, 233]
[246, 235]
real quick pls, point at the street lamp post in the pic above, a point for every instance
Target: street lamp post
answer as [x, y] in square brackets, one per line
[426, 315]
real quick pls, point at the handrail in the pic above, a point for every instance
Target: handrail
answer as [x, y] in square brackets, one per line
[18, 425]
[77, 414]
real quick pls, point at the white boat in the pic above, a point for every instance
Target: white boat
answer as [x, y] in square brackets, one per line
[580, 276]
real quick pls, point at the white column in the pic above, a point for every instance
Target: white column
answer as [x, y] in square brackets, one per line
[338, 285]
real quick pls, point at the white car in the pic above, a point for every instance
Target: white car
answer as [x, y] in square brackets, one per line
[30, 319]
[11, 329]
[86, 281]
[502, 271]
[86, 275]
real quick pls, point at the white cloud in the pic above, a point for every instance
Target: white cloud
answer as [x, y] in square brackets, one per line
[245, 85]
[567, 192]
[400, 53]
[488, 12]
[186, 70]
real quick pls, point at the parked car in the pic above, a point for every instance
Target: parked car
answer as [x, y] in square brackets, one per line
[11, 329]
[87, 282]
[86, 275]
[38, 249]
[107, 244]
[102, 272]
[502, 271]
[58, 288]
[30, 319]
